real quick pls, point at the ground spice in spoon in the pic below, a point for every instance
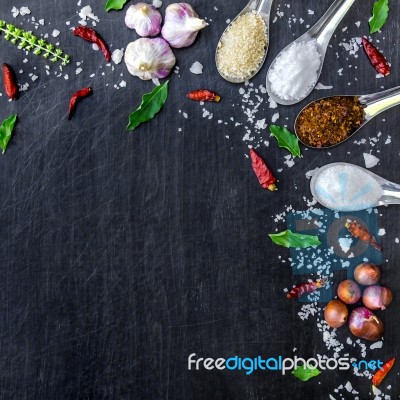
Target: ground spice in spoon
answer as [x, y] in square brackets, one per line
[329, 121]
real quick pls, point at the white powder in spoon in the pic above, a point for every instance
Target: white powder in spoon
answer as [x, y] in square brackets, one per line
[346, 188]
[295, 70]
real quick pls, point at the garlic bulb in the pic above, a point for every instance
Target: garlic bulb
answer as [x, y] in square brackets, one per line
[181, 25]
[144, 18]
[149, 58]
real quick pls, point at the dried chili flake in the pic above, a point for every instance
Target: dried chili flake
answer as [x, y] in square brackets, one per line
[264, 174]
[329, 121]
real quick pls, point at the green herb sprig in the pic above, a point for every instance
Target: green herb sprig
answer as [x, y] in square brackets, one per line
[25, 40]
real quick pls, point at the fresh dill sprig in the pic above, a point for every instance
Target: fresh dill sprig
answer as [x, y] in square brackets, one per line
[27, 41]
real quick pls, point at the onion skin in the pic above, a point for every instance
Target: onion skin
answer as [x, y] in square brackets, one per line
[349, 291]
[336, 313]
[364, 324]
[377, 297]
[367, 274]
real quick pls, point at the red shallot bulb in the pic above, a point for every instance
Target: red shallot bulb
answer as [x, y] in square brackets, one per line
[336, 313]
[367, 274]
[364, 324]
[377, 297]
[349, 292]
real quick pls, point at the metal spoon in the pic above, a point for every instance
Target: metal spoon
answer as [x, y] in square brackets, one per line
[390, 191]
[263, 7]
[374, 103]
[322, 32]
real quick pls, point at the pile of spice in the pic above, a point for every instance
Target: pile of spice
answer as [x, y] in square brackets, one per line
[329, 121]
[242, 47]
[295, 71]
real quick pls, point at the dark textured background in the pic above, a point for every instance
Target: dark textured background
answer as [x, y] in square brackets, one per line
[122, 253]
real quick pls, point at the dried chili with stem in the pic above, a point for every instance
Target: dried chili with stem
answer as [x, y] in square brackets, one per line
[380, 375]
[377, 59]
[362, 233]
[203, 95]
[92, 36]
[306, 288]
[10, 84]
[78, 95]
[264, 174]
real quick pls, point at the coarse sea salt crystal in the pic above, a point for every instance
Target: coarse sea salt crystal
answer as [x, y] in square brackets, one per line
[55, 33]
[196, 68]
[117, 55]
[294, 71]
[275, 117]
[370, 160]
[95, 47]
[345, 244]
[15, 12]
[157, 3]
[382, 232]
[24, 11]
[320, 86]
[376, 345]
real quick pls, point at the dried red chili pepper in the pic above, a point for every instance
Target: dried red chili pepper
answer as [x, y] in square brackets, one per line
[203, 95]
[380, 375]
[80, 94]
[377, 59]
[91, 35]
[264, 174]
[361, 232]
[306, 288]
[10, 84]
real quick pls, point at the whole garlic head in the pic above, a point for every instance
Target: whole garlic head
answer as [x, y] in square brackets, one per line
[149, 58]
[144, 18]
[181, 25]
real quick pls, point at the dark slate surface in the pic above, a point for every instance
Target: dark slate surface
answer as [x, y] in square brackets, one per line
[121, 254]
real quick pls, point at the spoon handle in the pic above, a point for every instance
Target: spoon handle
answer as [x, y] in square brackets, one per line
[378, 102]
[324, 28]
[390, 195]
[262, 6]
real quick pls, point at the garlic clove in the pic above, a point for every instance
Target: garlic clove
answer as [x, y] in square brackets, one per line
[144, 18]
[149, 58]
[181, 25]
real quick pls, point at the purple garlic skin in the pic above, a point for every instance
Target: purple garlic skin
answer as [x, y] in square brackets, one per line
[181, 25]
[144, 18]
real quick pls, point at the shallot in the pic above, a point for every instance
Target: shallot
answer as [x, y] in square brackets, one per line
[364, 324]
[377, 297]
[349, 291]
[367, 273]
[336, 313]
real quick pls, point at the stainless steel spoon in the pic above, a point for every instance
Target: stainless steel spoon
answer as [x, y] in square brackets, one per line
[263, 7]
[390, 191]
[374, 103]
[322, 32]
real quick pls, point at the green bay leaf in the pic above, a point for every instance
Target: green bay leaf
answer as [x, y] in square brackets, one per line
[296, 240]
[380, 13]
[151, 104]
[286, 139]
[304, 374]
[115, 5]
[6, 130]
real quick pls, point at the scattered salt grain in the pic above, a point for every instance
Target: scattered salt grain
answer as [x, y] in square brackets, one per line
[345, 244]
[41, 22]
[34, 77]
[382, 232]
[78, 71]
[117, 55]
[310, 12]
[122, 84]
[95, 47]
[157, 3]
[196, 68]
[85, 14]
[376, 345]
[295, 70]
[370, 160]
[55, 33]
